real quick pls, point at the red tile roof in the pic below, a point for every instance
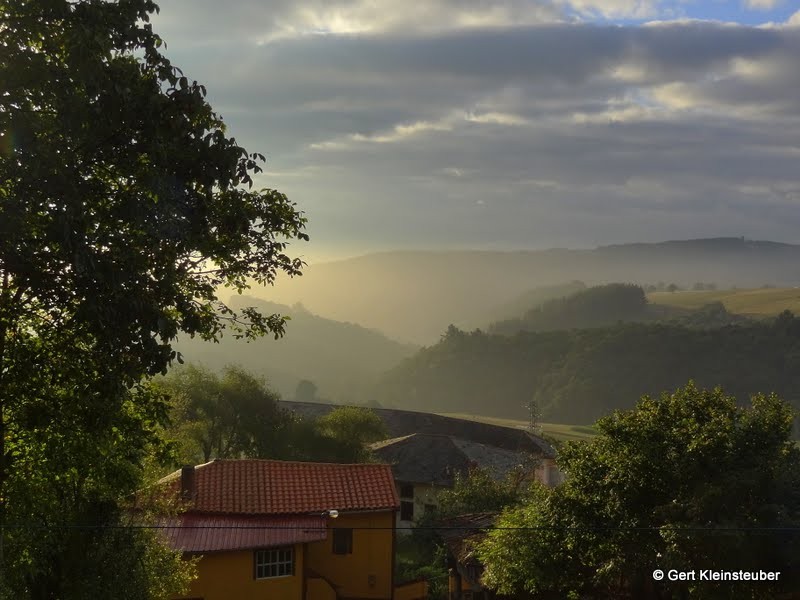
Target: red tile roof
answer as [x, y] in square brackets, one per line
[272, 487]
[203, 533]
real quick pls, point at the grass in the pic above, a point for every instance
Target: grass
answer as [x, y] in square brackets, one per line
[558, 431]
[756, 302]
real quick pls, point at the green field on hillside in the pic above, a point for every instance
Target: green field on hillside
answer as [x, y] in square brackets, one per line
[761, 302]
[556, 431]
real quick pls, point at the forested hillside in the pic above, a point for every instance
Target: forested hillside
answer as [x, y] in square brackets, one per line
[577, 376]
[597, 306]
[529, 300]
[609, 304]
[339, 358]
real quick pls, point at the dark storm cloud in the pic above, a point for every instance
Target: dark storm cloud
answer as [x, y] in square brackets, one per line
[544, 128]
[556, 52]
[365, 83]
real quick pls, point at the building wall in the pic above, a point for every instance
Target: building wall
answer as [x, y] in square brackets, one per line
[413, 590]
[367, 572]
[226, 575]
[424, 495]
[548, 473]
[319, 589]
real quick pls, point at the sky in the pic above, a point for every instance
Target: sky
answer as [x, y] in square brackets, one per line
[508, 124]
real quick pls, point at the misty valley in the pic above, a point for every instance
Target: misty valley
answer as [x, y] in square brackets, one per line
[718, 312]
[368, 300]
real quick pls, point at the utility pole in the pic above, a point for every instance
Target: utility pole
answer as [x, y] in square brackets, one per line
[534, 415]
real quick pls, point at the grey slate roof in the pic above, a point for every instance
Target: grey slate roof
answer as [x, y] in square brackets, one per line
[435, 459]
[460, 534]
[464, 526]
[406, 422]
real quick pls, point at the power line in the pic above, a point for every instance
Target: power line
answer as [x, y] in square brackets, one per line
[410, 528]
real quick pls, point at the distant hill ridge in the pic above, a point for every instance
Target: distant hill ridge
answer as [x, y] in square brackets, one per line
[718, 242]
[414, 295]
[609, 304]
[339, 358]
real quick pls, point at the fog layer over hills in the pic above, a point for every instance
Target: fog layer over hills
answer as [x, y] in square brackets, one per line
[340, 358]
[414, 295]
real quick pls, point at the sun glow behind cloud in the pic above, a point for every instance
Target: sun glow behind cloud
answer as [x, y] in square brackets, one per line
[392, 121]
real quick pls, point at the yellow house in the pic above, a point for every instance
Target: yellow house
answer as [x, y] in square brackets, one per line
[288, 530]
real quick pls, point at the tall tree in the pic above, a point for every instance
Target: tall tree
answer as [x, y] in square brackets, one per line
[124, 208]
[480, 491]
[687, 481]
[306, 391]
[350, 429]
[227, 416]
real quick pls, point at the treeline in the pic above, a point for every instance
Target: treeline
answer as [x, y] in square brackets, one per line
[530, 300]
[593, 307]
[577, 376]
[703, 481]
[605, 305]
[236, 415]
[575, 540]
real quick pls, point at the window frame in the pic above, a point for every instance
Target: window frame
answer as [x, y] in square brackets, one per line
[342, 540]
[406, 507]
[272, 557]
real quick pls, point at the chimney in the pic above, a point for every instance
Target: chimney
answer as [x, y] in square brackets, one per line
[187, 483]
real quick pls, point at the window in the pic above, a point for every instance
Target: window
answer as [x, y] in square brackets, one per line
[406, 490]
[553, 476]
[276, 562]
[342, 541]
[406, 511]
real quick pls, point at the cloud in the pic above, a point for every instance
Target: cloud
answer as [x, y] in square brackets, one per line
[257, 22]
[401, 132]
[397, 133]
[565, 130]
[387, 88]
[617, 9]
[497, 118]
[762, 4]
[290, 19]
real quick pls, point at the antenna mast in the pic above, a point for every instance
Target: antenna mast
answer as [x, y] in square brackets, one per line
[534, 415]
